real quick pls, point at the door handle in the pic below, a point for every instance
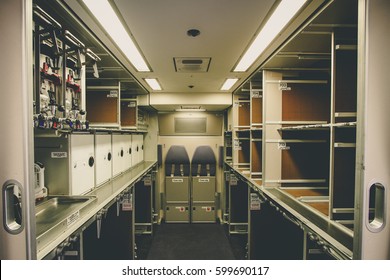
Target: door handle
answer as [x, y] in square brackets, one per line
[12, 207]
[377, 195]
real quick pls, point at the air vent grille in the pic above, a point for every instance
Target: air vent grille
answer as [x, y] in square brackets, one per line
[192, 64]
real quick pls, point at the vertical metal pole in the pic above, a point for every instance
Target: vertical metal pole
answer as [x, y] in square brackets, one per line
[37, 73]
[62, 98]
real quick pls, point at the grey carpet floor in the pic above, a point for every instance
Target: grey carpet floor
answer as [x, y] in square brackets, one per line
[190, 242]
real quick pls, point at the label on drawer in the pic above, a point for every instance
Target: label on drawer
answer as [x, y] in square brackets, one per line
[255, 203]
[204, 180]
[177, 180]
[127, 202]
[207, 208]
[284, 86]
[233, 180]
[282, 145]
[72, 218]
[112, 94]
[147, 182]
[236, 145]
[256, 94]
[59, 154]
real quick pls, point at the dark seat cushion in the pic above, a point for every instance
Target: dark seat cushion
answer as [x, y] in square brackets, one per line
[203, 156]
[178, 156]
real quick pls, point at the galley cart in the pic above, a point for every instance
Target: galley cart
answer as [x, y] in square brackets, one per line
[203, 168]
[177, 171]
[69, 160]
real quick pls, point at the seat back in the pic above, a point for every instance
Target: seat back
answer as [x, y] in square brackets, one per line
[203, 162]
[177, 162]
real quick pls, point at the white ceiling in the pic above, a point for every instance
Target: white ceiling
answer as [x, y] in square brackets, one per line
[160, 30]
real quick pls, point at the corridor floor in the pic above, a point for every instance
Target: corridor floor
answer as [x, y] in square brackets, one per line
[190, 242]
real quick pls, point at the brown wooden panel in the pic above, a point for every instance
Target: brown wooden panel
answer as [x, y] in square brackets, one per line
[101, 108]
[244, 153]
[307, 192]
[306, 102]
[244, 114]
[256, 157]
[305, 161]
[344, 177]
[257, 110]
[258, 181]
[323, 207]
[128, 113]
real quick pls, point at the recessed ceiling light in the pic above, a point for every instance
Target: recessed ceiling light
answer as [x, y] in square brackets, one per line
[227, 85]
[285, 11]
[109, 20]
[153, 83]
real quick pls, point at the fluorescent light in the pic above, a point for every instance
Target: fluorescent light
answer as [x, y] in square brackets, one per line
[227, 85]
[153, 83]
[190, 110]
[107, 17]
[285, 11]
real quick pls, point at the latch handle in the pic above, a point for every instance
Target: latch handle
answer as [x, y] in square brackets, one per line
[12, 207]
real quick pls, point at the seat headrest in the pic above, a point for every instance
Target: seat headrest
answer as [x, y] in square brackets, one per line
[203, 155]
[177, 162]
[177, 155]
[203, 162]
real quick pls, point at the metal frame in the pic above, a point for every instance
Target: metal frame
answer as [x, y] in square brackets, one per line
[16, 131]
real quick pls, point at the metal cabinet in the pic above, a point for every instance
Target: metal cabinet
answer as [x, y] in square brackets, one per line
[122, 153]
[69, 160]
[177, 190]
[177, 199]
[203, 169]
[137, 148]
[111, 236]
[103, 155]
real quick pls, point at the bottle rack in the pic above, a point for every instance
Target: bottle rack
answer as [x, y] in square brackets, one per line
[59, 80]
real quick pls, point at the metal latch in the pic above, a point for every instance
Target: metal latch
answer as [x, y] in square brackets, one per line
[99, 216]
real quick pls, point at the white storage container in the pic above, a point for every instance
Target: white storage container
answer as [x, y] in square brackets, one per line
[127, 144]
[137, 147]
[103, 155]
[69, 162]
[122, 153]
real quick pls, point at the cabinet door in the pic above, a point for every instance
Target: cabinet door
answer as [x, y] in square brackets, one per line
[103, 155]
[129, 152]
[135, 149]
[16, 137]
[141, 148]
[117, 154]
[82, 163]
[372, 231]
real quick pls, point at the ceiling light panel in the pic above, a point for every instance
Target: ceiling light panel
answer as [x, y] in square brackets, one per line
[285, 11]
[109, 20]
[227, 85]
[153, 83]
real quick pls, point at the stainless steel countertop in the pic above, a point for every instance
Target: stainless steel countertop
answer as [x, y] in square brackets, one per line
[104, 194]
[334, 233]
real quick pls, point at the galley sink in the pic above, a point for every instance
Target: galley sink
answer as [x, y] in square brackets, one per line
[55, 214]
